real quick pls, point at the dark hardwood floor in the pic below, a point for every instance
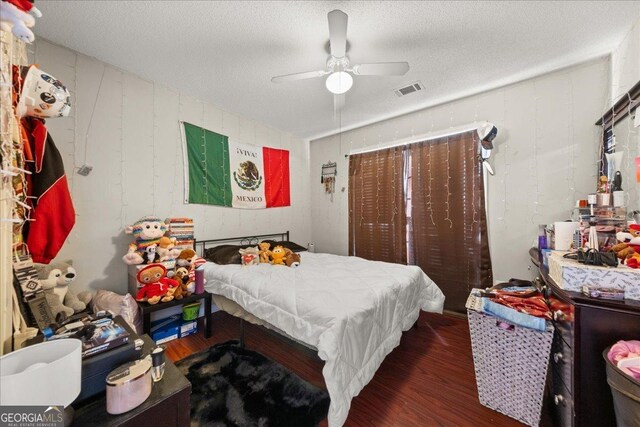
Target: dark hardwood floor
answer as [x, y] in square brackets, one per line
[428, 380]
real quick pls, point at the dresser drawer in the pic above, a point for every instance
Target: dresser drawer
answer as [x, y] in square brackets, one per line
[563, 318]
[562, 361]
[561, 403]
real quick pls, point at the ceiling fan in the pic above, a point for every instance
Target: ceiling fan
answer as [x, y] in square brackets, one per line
[338, 69]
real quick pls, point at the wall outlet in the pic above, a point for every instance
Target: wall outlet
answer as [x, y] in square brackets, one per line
[85, 170]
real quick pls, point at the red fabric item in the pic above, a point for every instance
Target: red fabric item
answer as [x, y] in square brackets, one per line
[53, 210]
[24, 5]
[276, 176]
[155, 289]
[535, 306]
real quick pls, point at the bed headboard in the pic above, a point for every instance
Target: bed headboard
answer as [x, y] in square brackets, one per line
[201, 245]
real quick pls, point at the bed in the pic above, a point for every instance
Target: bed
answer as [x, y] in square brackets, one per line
[350, 310]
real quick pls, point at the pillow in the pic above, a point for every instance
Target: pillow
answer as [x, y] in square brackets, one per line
[123, 305]
[225, 254]
[287, 244]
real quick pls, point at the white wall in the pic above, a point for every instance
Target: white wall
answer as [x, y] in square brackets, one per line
[545, 158]
[625, 63]
[134, 147]
[625, 72]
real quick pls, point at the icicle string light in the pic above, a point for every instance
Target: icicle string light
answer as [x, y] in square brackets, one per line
[572, 142]
[153, 148]
[533, 164]
[378, 171]
[123, 176]
[448, 184]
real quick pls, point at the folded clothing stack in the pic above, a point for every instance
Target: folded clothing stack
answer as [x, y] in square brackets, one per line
[626, 356]
[519, 305]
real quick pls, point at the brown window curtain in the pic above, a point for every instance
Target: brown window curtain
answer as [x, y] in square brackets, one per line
[448, 229]
[377, 219]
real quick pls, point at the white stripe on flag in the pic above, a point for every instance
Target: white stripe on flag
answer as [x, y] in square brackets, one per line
[247, 176]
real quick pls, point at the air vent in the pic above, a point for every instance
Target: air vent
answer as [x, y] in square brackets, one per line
[406, 90]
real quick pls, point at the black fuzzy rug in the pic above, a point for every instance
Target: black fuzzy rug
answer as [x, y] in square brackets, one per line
[235, 387]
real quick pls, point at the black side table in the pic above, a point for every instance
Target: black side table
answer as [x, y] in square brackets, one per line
[147, 309]
[168, 405]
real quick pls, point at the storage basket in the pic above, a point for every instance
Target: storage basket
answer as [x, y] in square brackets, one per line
[511, 366]
[626, 394]
[190, 311]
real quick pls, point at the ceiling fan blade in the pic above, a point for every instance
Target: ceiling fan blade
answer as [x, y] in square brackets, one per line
[338, 32]
[381, 69]
[338, 102]
[299, 76]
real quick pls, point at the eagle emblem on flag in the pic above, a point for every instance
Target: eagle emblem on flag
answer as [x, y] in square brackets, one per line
[248, 177]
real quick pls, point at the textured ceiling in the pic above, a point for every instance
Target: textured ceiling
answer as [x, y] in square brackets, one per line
[226, 52]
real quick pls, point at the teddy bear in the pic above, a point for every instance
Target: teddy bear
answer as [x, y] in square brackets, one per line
[189, 259]
[55, 279]
[277, 255]
[250, 255]
[17, 16]
[291, 258]
[185, 288]
[265, 253]
[156, 286]
[147, 232]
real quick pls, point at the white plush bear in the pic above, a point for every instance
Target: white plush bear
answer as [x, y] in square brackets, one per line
[17, 16]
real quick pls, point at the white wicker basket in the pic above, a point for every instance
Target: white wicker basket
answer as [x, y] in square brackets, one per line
[511, 366]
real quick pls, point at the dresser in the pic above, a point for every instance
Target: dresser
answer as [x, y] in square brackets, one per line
[577, 383]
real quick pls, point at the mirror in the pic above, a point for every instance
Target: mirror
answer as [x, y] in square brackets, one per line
[620, 146]
[627, 142]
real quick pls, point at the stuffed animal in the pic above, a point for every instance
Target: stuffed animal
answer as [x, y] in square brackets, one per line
[277, 255]
[628, 250]
[17, 16]
[291, 258]
[55, 279]
[185, 257]
[265, 253]
[189, 259]
[184, 289]
[250, 256]
[156, 286]
[634, 261]
[147, 231]
[166, 249]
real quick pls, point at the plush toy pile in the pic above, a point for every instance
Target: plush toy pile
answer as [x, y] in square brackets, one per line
[628, 250]
[151, 247]
[156, 286]
[262, 254]
[150, 243]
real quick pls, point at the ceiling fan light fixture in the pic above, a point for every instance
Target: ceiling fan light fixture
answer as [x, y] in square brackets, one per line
[339, 82]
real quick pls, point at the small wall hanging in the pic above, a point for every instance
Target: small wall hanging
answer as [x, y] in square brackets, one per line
[328, 178]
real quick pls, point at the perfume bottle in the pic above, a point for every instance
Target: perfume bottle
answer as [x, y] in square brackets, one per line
[157, 362]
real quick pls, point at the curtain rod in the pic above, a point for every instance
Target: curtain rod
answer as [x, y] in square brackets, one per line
[420, 138]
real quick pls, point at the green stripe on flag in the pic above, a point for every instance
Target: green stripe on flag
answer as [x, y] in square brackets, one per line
[208, 154]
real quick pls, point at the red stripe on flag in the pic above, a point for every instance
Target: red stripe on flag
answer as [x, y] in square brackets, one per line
[276, 176]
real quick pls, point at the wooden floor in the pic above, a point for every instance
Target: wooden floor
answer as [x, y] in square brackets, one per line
[428, 380]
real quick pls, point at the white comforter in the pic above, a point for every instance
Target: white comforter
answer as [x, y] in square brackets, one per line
[352, 310]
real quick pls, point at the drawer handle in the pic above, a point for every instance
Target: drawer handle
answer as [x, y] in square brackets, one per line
[558, 399]
[558, 357]
[558, 315]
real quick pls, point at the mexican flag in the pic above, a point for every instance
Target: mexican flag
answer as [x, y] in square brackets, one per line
[219, 171]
